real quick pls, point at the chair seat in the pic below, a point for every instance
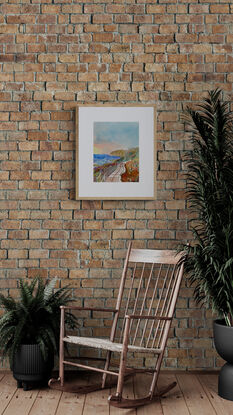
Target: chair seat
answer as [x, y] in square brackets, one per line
[107, 344]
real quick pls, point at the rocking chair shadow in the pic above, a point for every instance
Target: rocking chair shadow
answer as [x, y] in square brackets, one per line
[145, 306]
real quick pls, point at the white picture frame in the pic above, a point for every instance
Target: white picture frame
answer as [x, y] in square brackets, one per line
[128, 171]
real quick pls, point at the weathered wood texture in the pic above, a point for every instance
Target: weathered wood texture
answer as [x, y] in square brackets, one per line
[195, 394]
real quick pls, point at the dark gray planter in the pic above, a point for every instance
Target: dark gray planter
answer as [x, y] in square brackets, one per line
[223, 340]
[30, 368]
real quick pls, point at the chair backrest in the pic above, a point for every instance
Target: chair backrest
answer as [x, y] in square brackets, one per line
[149, 287]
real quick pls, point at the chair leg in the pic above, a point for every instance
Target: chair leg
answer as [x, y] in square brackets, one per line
[122, 368]
[61, 369]
[119, 402]
[106, 366]
[121, 374]
[156, 375]
[154, 382]
[61, 348]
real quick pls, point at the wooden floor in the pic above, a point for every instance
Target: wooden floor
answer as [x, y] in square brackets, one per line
[195, 394]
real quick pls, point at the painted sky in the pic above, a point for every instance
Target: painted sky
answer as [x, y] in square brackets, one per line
[110, 136]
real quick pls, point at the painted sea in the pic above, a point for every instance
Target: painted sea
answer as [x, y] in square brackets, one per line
[100, 159]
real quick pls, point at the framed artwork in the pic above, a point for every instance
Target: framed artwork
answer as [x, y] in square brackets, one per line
[115, 152]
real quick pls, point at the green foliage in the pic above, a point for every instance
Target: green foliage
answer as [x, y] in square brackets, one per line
[34, 317]
[209, 263]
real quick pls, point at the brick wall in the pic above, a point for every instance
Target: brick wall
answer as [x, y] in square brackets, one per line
[56, 54]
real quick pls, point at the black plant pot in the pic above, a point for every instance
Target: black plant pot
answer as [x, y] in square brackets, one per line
[223, 340]
[29, 367]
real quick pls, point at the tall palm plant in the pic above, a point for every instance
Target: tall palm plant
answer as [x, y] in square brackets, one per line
[209, 263]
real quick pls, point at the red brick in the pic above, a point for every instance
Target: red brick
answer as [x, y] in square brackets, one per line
[219, 8]
[103, 37]
[158, 9]
[8, 263]
[198, 8]
[38, 234]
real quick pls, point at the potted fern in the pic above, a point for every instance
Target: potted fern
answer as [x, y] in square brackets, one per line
[209, 263]
[29, 329]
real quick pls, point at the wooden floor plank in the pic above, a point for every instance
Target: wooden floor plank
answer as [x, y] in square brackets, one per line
[173, 403]
[7, 389]
[210, 385]
[46, 402]
[128, 392]
[194, 395]
[141, 388]
[96, 402]
[72, 403]
[2, 374]
[21, 402]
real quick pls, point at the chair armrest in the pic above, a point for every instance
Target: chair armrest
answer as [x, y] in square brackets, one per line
[73, 307]
[137, 316]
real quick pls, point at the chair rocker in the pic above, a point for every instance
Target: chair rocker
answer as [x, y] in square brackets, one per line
[145, 305]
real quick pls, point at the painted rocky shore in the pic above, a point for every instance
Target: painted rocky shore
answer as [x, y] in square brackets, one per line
[118, 166]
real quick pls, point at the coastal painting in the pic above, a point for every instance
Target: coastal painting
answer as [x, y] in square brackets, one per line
[115, 157]
[116, 151]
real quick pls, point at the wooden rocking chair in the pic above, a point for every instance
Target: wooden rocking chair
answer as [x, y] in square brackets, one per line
[142, 318]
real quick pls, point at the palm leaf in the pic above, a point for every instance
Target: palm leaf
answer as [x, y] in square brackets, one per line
[209, 262]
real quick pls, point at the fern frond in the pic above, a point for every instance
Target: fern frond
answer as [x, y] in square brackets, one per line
[34, 317]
